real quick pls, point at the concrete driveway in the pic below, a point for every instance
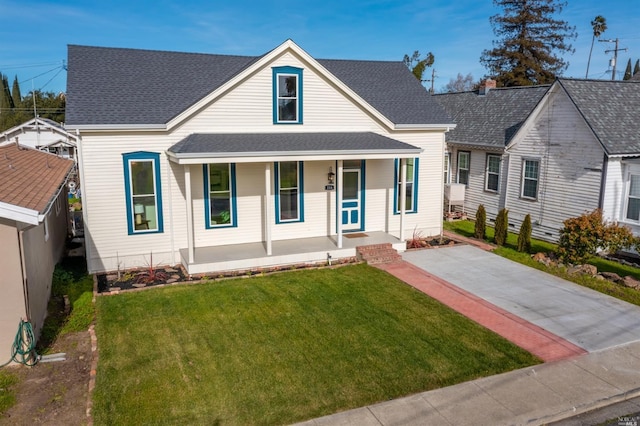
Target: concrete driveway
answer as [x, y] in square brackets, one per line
[580, 315]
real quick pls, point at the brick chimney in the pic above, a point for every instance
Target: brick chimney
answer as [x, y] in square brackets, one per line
[486, 85]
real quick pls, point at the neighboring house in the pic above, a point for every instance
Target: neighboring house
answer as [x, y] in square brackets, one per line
[233, 162]
[561, 151]
[33, 230]
[42, 134]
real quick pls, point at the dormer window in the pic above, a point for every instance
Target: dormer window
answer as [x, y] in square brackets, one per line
[287, 95]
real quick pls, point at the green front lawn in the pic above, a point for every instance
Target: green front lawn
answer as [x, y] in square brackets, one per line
[466, 228]
[282, 348]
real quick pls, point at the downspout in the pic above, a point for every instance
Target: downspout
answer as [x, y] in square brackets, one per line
[23, 270]
[85, 216]
[603, 180]
[170, 194]
[339, 202]
[403, 195]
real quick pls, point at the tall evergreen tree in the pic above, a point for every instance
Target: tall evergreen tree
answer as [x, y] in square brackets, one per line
[636, 69]
[529, 42]
[6, 107]
[15, 92]
[627, 71]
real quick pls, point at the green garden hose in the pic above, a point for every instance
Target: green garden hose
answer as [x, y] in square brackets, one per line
[23, 348]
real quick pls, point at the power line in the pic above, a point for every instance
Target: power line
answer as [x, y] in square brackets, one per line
[10, 67]
[615, 54]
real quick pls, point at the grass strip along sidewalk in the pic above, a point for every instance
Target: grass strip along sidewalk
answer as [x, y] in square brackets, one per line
[282, 348]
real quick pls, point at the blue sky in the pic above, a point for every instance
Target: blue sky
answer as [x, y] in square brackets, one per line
[34, 35]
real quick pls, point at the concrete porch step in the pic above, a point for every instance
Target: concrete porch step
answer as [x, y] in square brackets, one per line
[376, 254]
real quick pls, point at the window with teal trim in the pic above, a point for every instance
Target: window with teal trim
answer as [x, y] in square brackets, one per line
[411, 194]
[143, 193]
[287, 95]
[220, 195]
[289, 192]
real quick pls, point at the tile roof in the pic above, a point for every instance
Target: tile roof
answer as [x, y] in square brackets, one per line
[611, 109]
[31, 178]
[257, 144]
[489, 120]
[111, 86]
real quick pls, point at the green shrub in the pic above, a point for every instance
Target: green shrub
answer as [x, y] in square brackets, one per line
[502, 227]
[582, 236]
[524, 237]
[481, 223]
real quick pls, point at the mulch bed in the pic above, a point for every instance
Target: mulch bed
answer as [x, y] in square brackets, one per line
[140, 278]
[143, 278]
[431, 242]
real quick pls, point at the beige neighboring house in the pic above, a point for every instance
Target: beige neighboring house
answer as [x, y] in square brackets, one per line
[43, 134]
[33, 229]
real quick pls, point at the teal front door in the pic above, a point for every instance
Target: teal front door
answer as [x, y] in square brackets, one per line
[352, 199]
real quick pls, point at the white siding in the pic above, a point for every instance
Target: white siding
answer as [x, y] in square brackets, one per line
[571, 162]
[247, 107]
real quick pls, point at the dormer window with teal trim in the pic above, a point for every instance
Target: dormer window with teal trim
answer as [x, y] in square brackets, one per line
[287, 95]
[143, 193]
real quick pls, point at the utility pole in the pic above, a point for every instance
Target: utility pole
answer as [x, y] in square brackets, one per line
[433, 79]
[614, 61]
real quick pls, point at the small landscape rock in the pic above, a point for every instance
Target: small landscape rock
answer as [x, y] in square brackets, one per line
[612, 276]
[171, 280]
[631, 282]
[138, 285]
[175, 276]
[583, 269]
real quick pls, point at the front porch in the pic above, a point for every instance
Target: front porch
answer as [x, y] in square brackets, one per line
[284, 252]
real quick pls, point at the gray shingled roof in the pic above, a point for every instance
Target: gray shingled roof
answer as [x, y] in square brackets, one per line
[489, 120]
[113, 86]
[391, 89]
[130, 86]
[611, 109]
[259, 144]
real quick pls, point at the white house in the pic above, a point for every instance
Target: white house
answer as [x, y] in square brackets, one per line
[553, 152]
[33, 230]
[43, 134]
[230, 162]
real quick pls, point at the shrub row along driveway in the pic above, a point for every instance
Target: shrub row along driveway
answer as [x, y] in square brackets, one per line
[582, 316]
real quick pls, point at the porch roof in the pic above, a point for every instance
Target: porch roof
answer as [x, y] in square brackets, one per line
[259, 147]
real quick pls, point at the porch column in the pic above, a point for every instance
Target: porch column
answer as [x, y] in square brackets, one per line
[190, 236]
[267, 207]
[403, 194]
[339, 202]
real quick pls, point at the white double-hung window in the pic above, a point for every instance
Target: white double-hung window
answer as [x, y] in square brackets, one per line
[492, 172]
[530, 177]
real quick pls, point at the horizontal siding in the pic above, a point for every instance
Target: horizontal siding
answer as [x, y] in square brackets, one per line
[248, 107]
[571, 161]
